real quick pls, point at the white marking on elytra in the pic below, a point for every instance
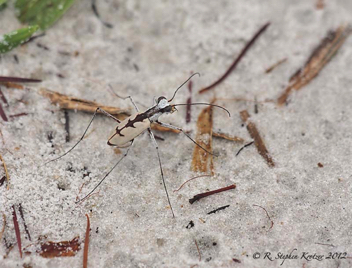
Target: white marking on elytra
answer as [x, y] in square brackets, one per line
[134, 125]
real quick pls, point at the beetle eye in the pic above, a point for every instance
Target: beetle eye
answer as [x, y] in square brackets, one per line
[161, 98]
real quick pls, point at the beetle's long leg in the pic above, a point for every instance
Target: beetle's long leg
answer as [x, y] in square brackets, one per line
[128, 97]
[95, 113]
[107, 174]
[161, 169]
[188, 136]
[109, 115]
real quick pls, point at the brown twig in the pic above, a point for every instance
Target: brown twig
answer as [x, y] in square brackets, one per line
[2, 114]
[11, 79]
[3, 98]
[234, 64]
[86, 244]
[320, 56]
[17, 230]
[272, 67]
[18, 115]
[71, 103]
[6, 173]
[254, 133]
[190, 180]
[3, 226]
[202, 195]
[24, 222]
[267, 214]
[200, 256]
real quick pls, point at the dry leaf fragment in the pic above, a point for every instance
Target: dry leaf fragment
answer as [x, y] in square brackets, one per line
[259, 143]
[203, 161]
[318, 59]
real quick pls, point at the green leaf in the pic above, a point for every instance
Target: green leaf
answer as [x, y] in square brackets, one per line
[15, 38]
[42, 12]
[3, 4]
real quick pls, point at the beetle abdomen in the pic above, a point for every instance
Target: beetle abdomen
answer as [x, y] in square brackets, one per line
[128, 129]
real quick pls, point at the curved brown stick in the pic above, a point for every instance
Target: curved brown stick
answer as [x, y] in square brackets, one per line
[234, 64]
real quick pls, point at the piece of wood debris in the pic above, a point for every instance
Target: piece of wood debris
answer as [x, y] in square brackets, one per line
[71, 103]
[258, 141]
[202, 195]
[320, 56]
[51, 249]
[201, 160]
[227, 137]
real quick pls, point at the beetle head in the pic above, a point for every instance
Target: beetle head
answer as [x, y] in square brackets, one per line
[164, 105]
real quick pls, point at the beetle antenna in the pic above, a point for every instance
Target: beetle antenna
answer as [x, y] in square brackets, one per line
[203, 103]
[182, 86]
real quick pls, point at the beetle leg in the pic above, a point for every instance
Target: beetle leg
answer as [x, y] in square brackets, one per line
[161, 169]
[95, 113]
[107, 174]
[188, 136]
[109, 115]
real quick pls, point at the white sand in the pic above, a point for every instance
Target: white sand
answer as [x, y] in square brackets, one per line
[167, 40]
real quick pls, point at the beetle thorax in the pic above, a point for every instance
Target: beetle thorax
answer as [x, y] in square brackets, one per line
[162, 107]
